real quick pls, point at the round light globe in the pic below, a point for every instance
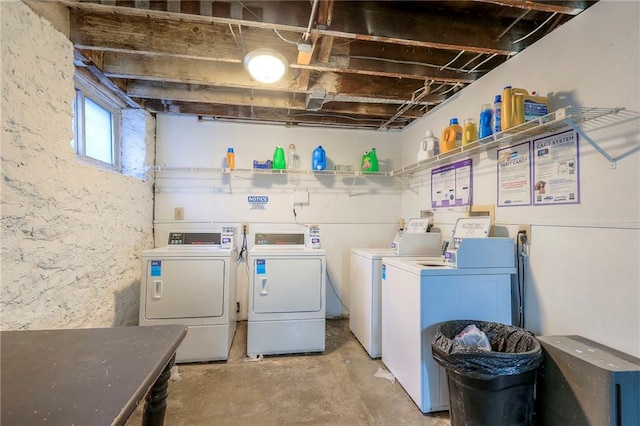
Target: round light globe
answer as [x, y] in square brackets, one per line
[265, 65]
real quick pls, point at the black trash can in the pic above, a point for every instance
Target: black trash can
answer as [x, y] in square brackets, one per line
[489, 388]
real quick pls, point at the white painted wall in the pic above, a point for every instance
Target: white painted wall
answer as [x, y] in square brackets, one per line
[584, 274]
[364, 214]
[71, 233]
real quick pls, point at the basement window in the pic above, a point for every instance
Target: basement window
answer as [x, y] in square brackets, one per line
[96, 125]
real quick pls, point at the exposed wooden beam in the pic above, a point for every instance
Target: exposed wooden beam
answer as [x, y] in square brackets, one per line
[379, 110]
[134, 34]
[555, 7]
[210, 94]
[325, 17]
[419, 29]
[267, 114]
[145, 67]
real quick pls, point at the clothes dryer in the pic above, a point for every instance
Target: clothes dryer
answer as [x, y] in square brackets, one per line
[287, 299]
[192, 281]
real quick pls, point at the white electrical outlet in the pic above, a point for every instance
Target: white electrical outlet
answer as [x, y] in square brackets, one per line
[527, 230]
[178, 213]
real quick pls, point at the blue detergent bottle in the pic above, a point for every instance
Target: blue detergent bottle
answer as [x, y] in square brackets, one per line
[319, 159]
[485, 121]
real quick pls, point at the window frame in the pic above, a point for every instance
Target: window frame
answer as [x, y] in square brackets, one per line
[86, 88]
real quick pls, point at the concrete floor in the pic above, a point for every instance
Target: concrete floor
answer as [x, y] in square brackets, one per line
[336, 387]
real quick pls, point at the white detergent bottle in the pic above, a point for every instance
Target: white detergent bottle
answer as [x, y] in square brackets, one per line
[429, 146]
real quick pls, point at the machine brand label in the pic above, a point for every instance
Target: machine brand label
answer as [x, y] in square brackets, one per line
[384, 271]
[261, 266]
[156, 268]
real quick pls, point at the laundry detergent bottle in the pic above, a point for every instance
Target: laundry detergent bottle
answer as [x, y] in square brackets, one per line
[319, 159]
[279, 163]
[429, 147]
[365, 163]
[518, 107]
[373, 158]
[469, 131]
[484, 129]
[231, 159]
[497, 114]
[451, 136]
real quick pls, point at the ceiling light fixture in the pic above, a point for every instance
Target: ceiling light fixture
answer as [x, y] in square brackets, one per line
[265, 65]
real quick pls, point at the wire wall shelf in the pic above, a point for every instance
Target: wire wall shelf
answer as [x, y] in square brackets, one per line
[572, 117]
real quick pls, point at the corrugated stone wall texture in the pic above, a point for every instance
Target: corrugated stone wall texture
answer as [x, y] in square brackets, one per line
[72, 234]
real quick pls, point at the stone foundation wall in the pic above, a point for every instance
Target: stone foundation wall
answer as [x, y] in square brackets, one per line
[72, 234]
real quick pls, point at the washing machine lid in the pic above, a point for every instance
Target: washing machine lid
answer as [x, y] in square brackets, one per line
[373, 253]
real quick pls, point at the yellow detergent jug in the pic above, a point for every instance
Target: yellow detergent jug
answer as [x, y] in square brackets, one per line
[518, 106]
[469, 131]
[451, 136]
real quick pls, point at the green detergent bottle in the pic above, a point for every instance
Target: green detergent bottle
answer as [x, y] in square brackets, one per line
[369, 161]
[373, 158]
[279, 162]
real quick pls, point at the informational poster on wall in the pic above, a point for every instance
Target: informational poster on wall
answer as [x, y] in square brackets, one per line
[451, 186]
[556, 169]
[514, 175]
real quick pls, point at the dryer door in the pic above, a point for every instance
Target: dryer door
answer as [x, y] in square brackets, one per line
[287, 285]
[184, 288]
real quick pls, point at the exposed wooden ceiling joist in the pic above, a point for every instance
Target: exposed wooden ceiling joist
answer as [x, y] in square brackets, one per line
[368, 65]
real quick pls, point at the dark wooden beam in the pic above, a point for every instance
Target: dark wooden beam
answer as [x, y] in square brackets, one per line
[134, 34]
[572, 8]
[210, 94]
[193, 71]
[408, 23]
[268, 114]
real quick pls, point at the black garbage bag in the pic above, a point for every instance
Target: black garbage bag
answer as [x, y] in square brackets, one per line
[514, 350]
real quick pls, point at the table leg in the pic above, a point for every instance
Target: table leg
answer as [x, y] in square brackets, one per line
[156, 401]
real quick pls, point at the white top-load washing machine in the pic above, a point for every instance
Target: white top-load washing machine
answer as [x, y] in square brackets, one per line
[287, 299]
[418, 294]
[365, 283]
[192, 281]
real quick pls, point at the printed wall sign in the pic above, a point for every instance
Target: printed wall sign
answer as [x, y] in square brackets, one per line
[258, 202]
[556, 169]
[451, 186]
[514, 175]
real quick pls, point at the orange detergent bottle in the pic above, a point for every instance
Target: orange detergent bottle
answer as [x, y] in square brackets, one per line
[451, 136]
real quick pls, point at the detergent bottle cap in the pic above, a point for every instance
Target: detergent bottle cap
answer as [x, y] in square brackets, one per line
[229, 149]
[507, 87]
[486, 107]
[428, 134]
[292, 146]
[498, 99]
[453, 121]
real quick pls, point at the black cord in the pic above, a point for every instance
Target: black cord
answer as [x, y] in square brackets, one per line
[521, 242]
[335, 292]
[243, 248]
